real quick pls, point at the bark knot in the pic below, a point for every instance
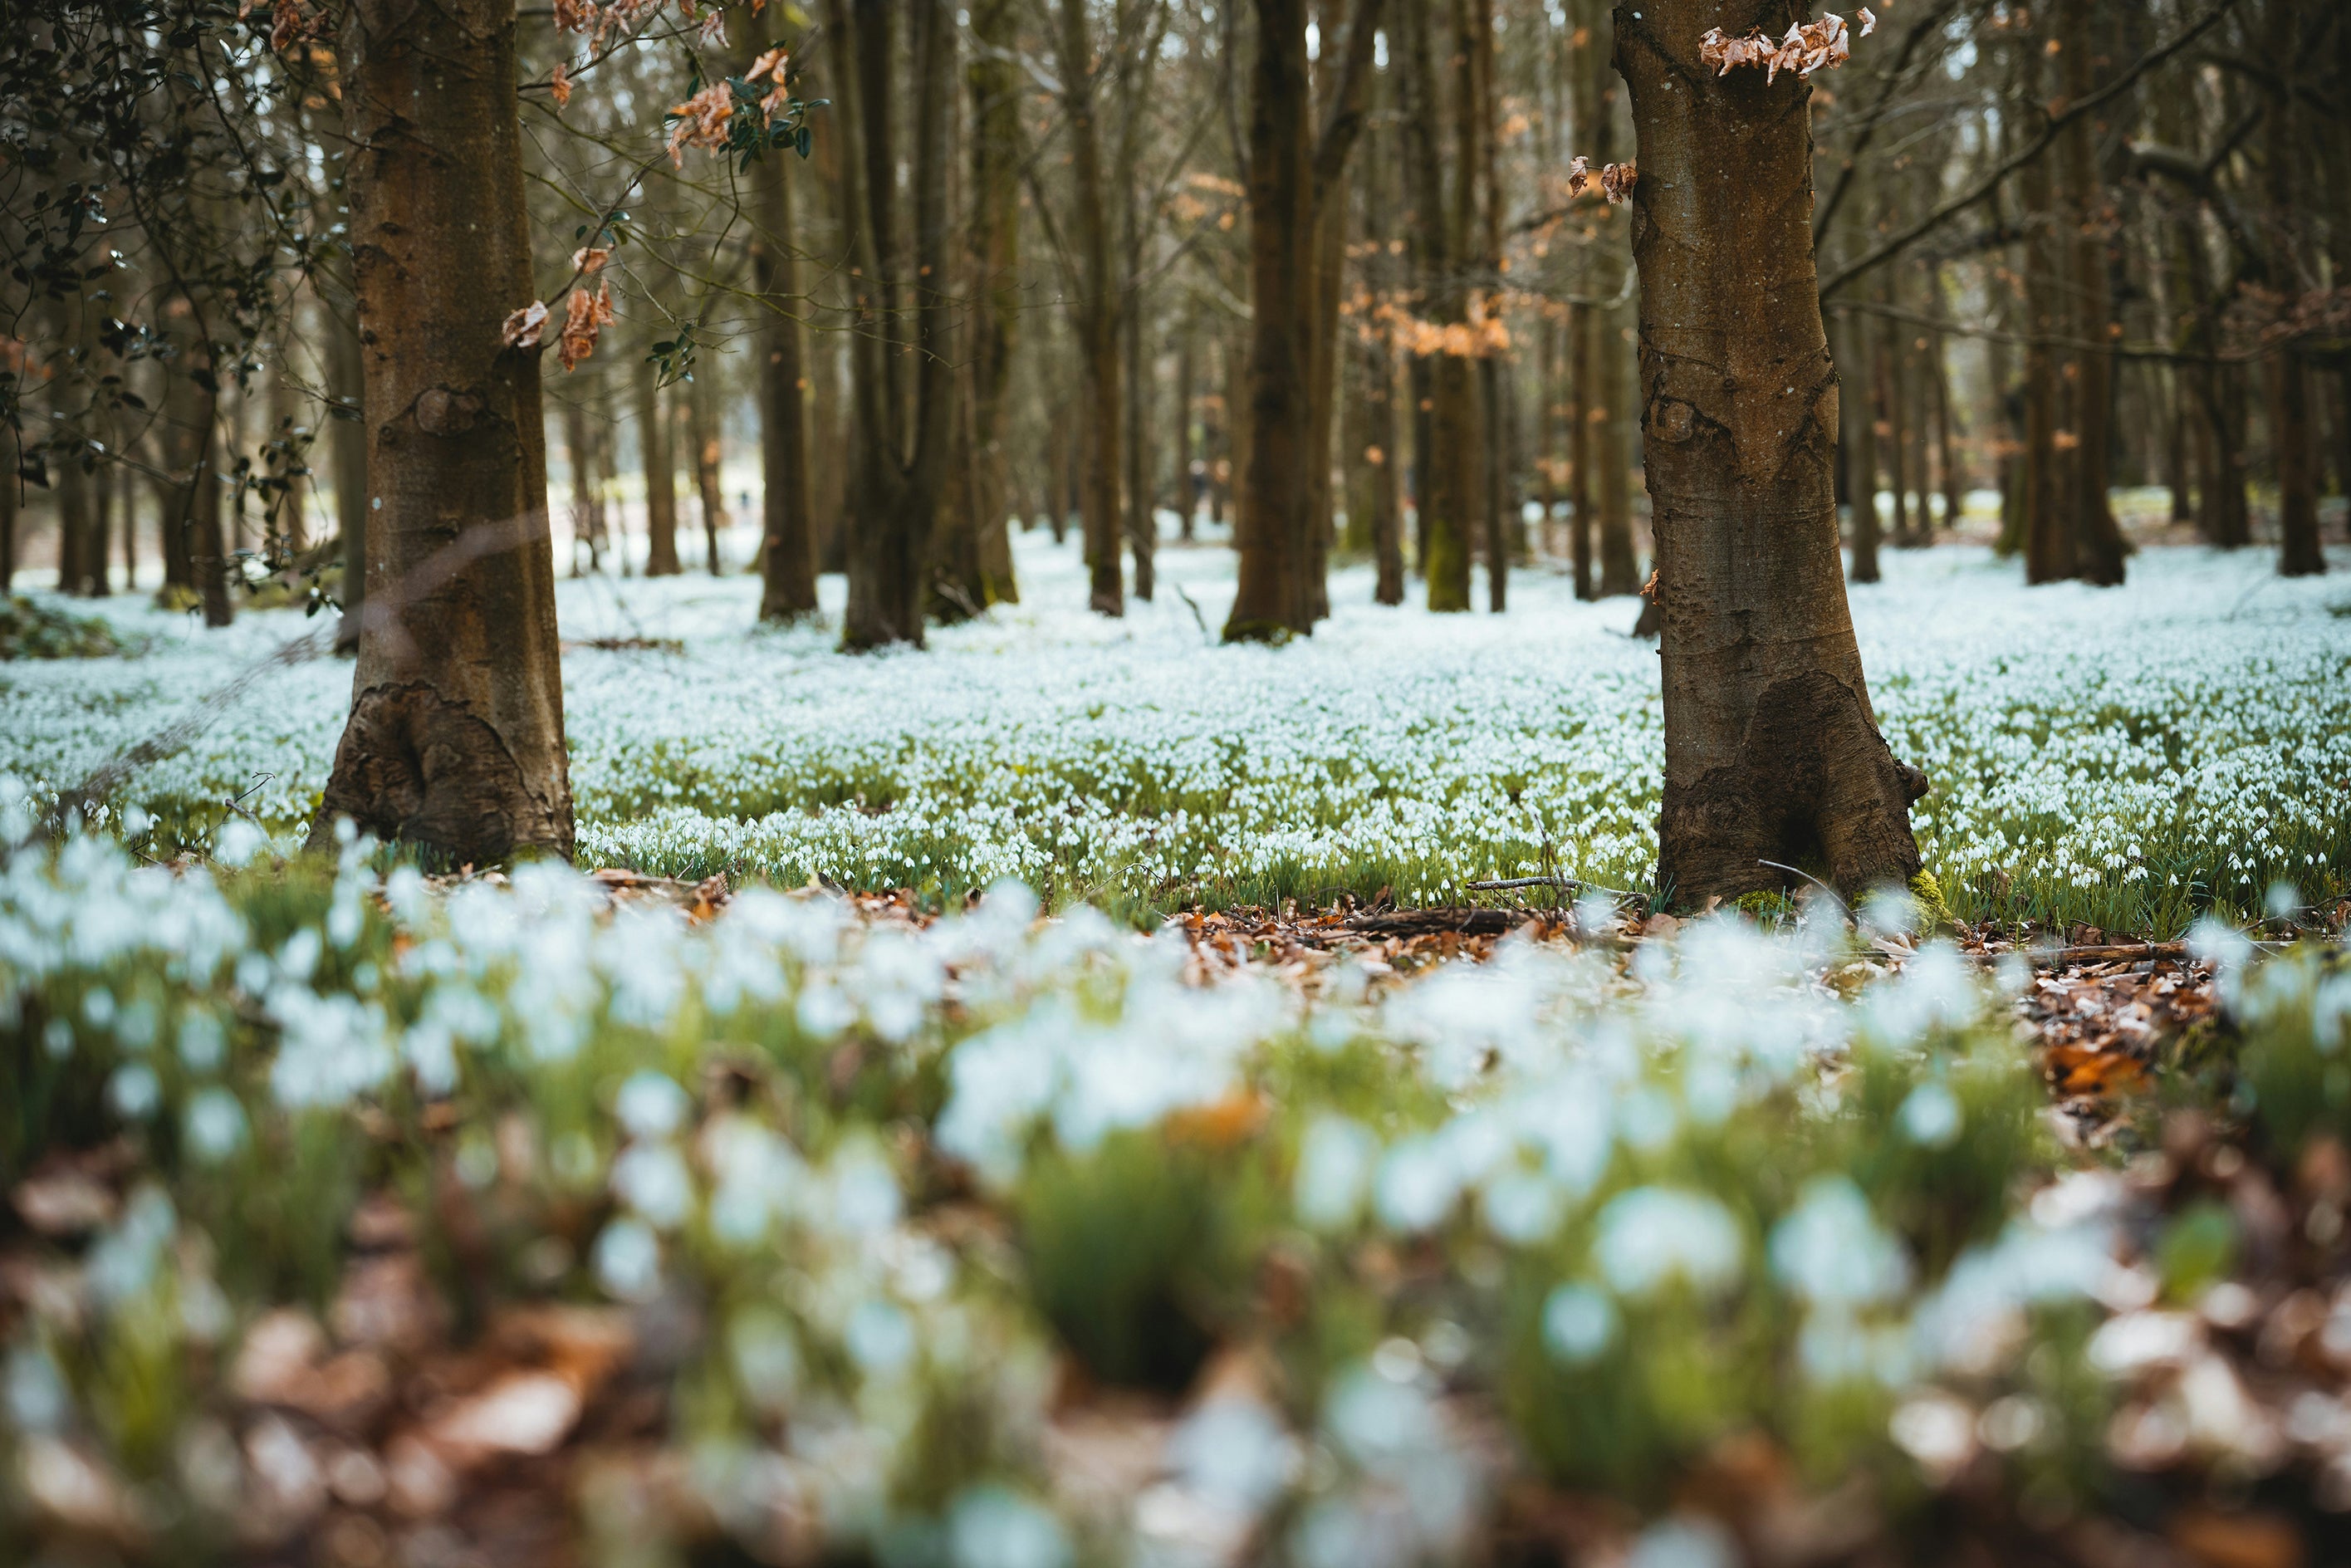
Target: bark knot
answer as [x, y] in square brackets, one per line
[443, 410]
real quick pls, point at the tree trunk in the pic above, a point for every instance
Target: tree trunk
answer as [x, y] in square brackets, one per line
[1856, 417]
[1187, 468]
[587, 521]
[1772, 750]
[11, 487]
[1095, 318]
[975, 557]
[455, 737]
[2291, 438]
[787, 539]
[1271, 528]
[903, 318]
[1620, 568]
[1447, 489]
[347, 448]
[661, 473]
[1892, 400]
[1945, 450]
[1579, 447]
[710, 491]
[1387, 509]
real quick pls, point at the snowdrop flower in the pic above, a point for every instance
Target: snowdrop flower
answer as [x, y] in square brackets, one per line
[1831, 1250]
[1652, 1235]
[1578, 1323]
[1335, 1165]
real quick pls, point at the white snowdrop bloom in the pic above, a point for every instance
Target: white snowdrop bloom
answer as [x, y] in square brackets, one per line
[1969, 1314]
[125, 1258]
[1685, 1541]
[134, 1091]
[1652, 1235]
[1934, 990]
[863, 1198]
[651, 1105]
[238, 842]
[993, 1527]
[1234, 1452]
[1418, 1185]
[880, 1336]
[1931, 1116]
[1578, 1323]
[34, 1391]
[627, 1260]
[1830, 1247]
[215, 1124]
[1334, 1165]
[651, 1179]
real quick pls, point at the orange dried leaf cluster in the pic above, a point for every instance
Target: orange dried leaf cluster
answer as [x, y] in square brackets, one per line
[775, 65]
[523, 328]
[584, 316]
[1390, 320]
[700, 121]
[559, 84]
[1808, 47]
[1613, 182]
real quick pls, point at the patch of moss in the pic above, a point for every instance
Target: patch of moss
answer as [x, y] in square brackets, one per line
[31, 630]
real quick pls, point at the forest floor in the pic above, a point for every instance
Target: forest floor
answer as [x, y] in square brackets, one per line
[2121, 758]
[1215, 1207]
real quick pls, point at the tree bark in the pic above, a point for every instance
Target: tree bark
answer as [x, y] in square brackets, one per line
[455, 737]
[347, 448]
[2291, 437]
[786, 539]
[1772, 749]
[586, 504]
[710, 491]
[1095, 319]
[1446, 488]
[904, 314]
[660, 466]
[975, 556]
[1857, 418]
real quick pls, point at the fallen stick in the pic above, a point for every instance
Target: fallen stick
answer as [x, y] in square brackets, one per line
[2096, 953]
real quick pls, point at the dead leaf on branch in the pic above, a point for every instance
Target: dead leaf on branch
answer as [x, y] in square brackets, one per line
[523, 328]
[1808, 47]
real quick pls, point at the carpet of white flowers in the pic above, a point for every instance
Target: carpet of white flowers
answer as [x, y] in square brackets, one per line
[2120, 756]
[1015, 1243]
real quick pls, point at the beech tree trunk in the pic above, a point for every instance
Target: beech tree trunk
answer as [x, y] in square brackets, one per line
[455, 737]
[10, 485]
[1857, 418]
[587, 506]
[904, 315]
[786, 540]
[975, 556]
[1445, 489]
[660, 466]
[1772, 749]
[347, 445]
[1095, 318]
[2291, 435]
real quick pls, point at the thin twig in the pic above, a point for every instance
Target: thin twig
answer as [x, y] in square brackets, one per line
[1816, 882]
[1503, 884]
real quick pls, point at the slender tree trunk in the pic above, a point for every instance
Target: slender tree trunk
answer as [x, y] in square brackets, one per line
[904, 314]
[1856, 417]
[1187, 493]
[1387, 509]
[975, 557]
[456, 739]
[347, 448]
[1893, 400]
[710, 491]
[661, 473]
[1580, 447]
[1449, 491]
[2291, 437]
[581, 459]
[1095, 318]
[1274, 489]
[11, 487]
[1142, 514]
[787, 535]
[1945, 450]
[1620, 568]
[2098, 542]
[1772, 749]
